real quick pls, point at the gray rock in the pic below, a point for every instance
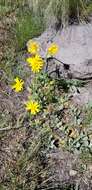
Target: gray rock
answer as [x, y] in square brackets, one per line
[73, 172]
[75, 48]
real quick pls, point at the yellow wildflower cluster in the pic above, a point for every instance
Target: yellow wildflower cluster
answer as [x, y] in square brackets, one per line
[33, 48]
[36, 63]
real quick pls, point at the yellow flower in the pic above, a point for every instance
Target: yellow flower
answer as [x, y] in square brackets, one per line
[36, 63]
[53, 49]
[18, 85]
[33, 47]
[32, 106]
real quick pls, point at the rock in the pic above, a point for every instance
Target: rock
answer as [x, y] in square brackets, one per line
[90, 168]
[75, 48]
[72, 173]
[85, 95]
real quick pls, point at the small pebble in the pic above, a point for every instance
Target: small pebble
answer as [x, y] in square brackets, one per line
[73, 172]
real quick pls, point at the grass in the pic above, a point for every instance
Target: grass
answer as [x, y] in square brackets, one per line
[63, 10]
[4, 9]
[27, 27]
[7, 6]
[20, 27]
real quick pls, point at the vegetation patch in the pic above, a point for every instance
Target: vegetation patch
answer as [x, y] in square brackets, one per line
[45, 139]
[27, 27]
[64, 12]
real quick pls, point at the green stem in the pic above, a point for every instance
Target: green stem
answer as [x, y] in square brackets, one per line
[34, 84]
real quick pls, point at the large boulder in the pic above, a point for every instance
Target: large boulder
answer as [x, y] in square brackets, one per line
[75, 48]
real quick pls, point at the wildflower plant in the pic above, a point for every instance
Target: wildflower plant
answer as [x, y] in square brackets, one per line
[47, 103]
[42, 88]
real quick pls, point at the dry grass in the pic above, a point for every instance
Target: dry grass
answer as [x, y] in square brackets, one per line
[61, 10]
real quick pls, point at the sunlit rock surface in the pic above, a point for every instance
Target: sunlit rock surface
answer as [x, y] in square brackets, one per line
[75, 48]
